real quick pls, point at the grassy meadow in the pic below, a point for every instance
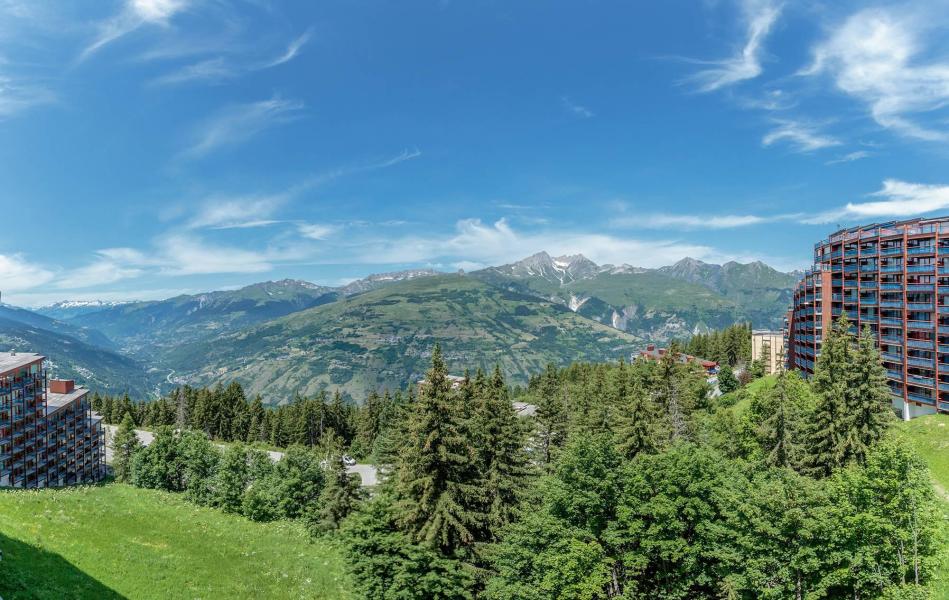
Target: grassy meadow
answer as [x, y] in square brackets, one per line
[115, 541]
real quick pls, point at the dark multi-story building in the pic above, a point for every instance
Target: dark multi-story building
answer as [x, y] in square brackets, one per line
[893, 278]
[49, 435]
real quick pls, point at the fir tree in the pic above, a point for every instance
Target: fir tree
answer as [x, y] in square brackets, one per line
[500, 436]
[339, 497]
[439, 488]
[869, 403]
[124, 446]
[727, 382]
[551, 417]
[784, 410]
[828, 436]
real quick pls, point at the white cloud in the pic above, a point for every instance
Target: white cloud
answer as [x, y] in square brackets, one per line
[759, 17]
[475, 242]
[877, 56]
[236, 213]
[211, 70]
[665, 221]
[576, 109]
[16, 273]
[803, 137]
[899, 199]
[17, 96]
[239, 123]
[134, 14]
[103, 271]
[185, 255]
[292, 51]
[316, 231]
[850, 157]
[219, 69]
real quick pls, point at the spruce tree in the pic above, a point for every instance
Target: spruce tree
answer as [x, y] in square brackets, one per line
[784, 410]
[727, 382]
[501, 440]
[551, 418]
[869, 407]
[827, 441]
[124, 445]
[440, 492]
[638, 429]
[339, 497]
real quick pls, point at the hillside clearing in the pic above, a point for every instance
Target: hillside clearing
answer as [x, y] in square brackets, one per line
[116, 541]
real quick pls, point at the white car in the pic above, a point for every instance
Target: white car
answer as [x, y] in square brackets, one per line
[348, 460]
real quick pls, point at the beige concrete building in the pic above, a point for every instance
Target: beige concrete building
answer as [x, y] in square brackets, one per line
[768, 347]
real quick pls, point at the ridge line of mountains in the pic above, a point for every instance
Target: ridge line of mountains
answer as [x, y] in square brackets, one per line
[288, 337]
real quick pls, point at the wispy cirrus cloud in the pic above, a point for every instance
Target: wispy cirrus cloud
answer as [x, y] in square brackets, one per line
[575, 109]
[17, 273]
[17, 96]
[897, 199]
[240, 122]
[672, 221]
[220, 69]
[803, 137]
[759, 17]
[850, 157]
[134, 14]
[236, 213]
[885, 59]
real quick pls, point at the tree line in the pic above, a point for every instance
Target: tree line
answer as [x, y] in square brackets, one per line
[224, 413]
[631, 481]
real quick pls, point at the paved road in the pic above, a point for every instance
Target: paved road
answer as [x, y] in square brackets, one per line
[368, 473]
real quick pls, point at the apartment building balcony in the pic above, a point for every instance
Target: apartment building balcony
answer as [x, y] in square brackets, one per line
[919, 380]
[921, 325]
[891, 357]
[920, 398]
[921, 344]
[891, 304]
[920, 306]
[891, 269]
[916, 250]
[926, 363]
[920, 268]
[919, 287]
[889, 286]
[890, 251]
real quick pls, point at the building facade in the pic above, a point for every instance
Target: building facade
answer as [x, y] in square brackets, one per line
[768, 347]
[894, 279]
[49, 435]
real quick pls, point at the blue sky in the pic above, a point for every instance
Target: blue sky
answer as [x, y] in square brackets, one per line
[152, 147]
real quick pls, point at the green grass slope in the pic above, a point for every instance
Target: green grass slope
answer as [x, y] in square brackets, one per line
[930, 436]
[116, 541]
[384, 337]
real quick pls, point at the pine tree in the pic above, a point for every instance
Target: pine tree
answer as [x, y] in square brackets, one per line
[784, 410]
[551, 418]
[339, 496]
[727, 382]
[124, 445]
[827, 440]
[500, 436]
[638, 429]
[869, 405]
[439, 489]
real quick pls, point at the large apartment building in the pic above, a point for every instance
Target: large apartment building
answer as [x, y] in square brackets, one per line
[893, 278]
[768, 347]
[49, 435]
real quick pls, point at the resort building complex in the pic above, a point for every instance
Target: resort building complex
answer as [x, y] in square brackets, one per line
[892, 278]
[49, 435]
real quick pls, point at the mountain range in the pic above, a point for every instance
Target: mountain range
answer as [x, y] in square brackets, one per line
[281, 338]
